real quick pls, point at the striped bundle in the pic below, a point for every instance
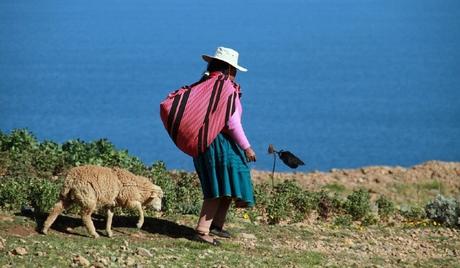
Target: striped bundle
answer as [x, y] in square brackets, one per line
[194, 115]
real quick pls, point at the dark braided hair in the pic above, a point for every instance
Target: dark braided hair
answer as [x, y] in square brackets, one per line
[216, 65]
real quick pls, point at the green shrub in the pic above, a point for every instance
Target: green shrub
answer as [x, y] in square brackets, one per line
[289, 202]
[19, 148]
[161, 177]
[101, 152]
[262, 194]
[49, 159]
[358, 204]
[188, 193]
[343, 221]
[412, 213]
[327, 204]
[182, 192]
[443, 210]
[43, 194]
[14, 193]
[386, 207]
[19, 140]
[369, 219]
[278, 209]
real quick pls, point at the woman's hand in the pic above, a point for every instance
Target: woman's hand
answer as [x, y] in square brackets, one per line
[250, 155]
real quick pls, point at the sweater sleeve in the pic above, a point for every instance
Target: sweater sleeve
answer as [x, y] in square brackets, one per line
[235, 128]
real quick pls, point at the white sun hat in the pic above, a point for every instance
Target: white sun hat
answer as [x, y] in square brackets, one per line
[227, 55]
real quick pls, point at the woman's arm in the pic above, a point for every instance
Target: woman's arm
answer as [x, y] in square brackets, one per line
[235, 130]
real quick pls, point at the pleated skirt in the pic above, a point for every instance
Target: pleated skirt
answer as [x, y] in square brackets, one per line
[224, 171]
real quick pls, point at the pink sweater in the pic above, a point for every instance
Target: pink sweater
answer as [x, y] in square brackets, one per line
[235, 129]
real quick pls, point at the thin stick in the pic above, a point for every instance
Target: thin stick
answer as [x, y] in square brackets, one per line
[273, 171]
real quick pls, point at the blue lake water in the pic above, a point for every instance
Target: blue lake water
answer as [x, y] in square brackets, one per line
[341, 83]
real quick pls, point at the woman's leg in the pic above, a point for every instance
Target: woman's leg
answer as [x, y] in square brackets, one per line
[208, 211]
[221, 214]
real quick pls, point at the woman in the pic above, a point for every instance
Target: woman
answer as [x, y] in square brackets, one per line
[223, 166]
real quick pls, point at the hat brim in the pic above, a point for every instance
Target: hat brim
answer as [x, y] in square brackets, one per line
[208, 58]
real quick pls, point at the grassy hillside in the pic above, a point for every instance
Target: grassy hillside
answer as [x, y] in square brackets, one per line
[374, 216]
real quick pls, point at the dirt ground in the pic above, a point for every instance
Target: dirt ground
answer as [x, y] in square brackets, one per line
[414, 184]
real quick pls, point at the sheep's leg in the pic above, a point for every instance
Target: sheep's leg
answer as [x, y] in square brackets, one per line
[108, 226]
[137, 205]
[54, 213]
[86, 217]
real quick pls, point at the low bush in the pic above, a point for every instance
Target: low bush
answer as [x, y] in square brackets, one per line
[41, 194]
[386, 208]
[443, 210]
[22, 155]
[14, 193]
[289, 202]
[182, 192]
[343, 220]
[29, 168]
[327, 204]
[358, 204]
[369, 219]
[412, 213]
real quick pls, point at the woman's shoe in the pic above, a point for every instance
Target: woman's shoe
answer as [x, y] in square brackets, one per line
[199, 238]
[219, 232]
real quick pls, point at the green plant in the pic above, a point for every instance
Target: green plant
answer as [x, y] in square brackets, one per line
[19, 140]
[188, 193]
[18, 148]
[161, 177]
[182, 193]
[369, 219]
[48, 159]
[412, 213]
[289, 201]
[386, 207]
[444, 210]
[327, 204]
[343, 220]
[14, 193]
[43, 194]
[262, 194]
[358, 204]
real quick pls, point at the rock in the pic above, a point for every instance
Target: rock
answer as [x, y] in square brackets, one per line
[40, 254]
[348, 242]
[6, 218]
[102, 262]
[2, 243]
[130, 261]
[20, 251]
[81, 261]
[144, 252]
[248, 236]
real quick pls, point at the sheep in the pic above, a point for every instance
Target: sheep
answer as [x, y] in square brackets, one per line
[94, 187]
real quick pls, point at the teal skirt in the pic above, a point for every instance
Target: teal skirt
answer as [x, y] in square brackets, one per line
[224, 171]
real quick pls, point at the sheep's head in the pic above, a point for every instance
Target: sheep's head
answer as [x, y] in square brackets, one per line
[155, 199]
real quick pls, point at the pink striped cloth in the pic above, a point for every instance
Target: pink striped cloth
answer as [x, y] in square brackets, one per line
[194, 115]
